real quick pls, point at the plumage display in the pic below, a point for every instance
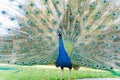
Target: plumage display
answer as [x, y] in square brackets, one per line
[67, 33]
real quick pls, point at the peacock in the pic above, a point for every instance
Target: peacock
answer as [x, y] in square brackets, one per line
[67, 33]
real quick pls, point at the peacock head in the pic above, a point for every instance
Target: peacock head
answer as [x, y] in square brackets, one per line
[59, 33]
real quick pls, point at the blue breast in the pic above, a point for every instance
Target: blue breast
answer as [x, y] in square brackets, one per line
[63, 60]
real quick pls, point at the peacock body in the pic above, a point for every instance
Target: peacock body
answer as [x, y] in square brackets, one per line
[68, 33]
[63, 59]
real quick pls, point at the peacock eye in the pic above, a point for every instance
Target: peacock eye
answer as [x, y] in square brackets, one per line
[26, 12]
[12, 18]
[46, 1]
[8, 61]
[57, 2]
[4, 12]
[20, 6]
[15, 62]
[32, 4]
[104, 1]
[68, 5]
[111, 67]
[104, 67]
[22, 62]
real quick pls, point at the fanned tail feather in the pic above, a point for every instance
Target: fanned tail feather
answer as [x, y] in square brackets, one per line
[90, 30]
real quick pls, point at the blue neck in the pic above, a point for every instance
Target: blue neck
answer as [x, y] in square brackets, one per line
[61, 46]
[63, 60]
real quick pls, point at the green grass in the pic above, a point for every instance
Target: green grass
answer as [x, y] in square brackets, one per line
[49, 73]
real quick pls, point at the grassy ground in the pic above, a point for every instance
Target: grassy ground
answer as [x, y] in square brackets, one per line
[48, 73]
